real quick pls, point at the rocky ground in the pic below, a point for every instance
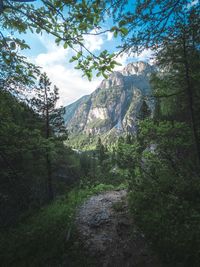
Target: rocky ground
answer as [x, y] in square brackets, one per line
[108, 235]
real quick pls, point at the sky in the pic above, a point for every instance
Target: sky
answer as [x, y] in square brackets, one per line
[54, 60]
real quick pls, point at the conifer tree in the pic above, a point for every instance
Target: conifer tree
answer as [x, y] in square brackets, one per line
[178, 86]
[44, 103]
[100, 150]
[144, 112]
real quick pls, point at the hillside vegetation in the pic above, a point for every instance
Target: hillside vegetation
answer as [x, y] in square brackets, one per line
[137, 136]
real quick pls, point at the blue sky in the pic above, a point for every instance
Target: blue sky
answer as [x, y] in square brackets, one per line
[55, 61]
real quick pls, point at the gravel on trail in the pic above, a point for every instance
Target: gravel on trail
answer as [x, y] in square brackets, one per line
[109, 235]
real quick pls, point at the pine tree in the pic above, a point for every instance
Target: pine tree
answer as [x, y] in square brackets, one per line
[100, 150]
[157, 111]
[178, 86]
[44, 103]
[144, 111]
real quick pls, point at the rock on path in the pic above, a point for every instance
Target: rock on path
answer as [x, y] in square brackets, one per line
[109, 235]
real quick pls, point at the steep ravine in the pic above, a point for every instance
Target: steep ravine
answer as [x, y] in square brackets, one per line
[108, 234]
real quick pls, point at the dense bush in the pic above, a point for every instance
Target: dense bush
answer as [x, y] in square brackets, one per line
[167, 209]
[23, 172]
[165, 192]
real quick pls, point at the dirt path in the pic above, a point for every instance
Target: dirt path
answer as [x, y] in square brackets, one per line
[108, 235]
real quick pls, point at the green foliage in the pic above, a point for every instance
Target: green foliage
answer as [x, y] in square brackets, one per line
[20, 147]
[160, 165]
[127, 155]
[69, 22]
[44, 104]
[176, 85]
[164, 191]
[156, 21]
[144, 111]
[166, 207]
[100, 151]
[17, 74]
[164, 188]
[22, 160]
[44, 238]
[98, 162]
[82, 141]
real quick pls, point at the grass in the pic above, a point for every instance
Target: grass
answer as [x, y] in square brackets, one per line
[41, 240]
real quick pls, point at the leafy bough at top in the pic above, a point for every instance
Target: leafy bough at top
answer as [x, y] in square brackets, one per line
[151, 23]
[103, 64]
[69, 22]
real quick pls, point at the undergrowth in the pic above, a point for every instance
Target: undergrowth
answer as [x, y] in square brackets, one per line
[44, 238]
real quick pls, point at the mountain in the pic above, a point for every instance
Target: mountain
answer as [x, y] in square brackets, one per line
[114, 105]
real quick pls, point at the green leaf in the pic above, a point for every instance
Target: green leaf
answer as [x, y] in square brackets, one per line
[38, 30]
[116, 63]
[79, 55]
[124, 31]
[65, 45]
[105, 75]
[57, 40]
[115, 34]
[113, 29]
[73, 59]
[122, 22]
[98, 74]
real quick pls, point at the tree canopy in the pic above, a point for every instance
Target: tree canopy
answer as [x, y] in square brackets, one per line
[69, 22]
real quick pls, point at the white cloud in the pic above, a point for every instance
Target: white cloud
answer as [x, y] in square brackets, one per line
[52, 57]
[109, 36]
[71, 84]
[55, 62]
[122, 59]
[94, 42]
[146, 55]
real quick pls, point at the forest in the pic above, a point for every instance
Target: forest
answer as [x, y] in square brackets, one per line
[47, 173]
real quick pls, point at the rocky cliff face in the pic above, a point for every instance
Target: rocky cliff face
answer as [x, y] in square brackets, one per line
[114, 105]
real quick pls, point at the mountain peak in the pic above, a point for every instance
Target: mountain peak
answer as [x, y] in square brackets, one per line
[114, 105]
[118, 78]
[137, 68]
[115, 79]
